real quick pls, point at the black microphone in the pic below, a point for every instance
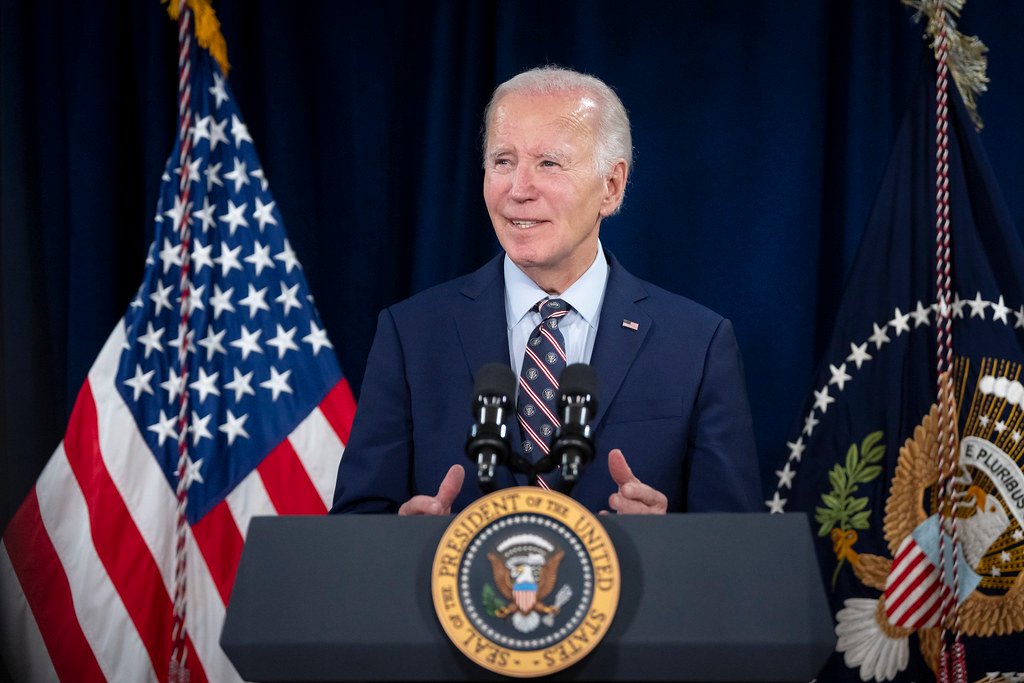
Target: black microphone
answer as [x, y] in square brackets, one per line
[573, 444]
[487, 443]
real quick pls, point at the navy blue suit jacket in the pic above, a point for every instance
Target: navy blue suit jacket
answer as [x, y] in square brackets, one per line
[672, 397]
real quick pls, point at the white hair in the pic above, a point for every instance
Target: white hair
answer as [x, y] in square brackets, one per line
[613, 140]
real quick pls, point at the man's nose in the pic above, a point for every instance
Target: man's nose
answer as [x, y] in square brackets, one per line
[522, 183]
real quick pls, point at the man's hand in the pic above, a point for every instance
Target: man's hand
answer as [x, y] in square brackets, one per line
[441, 504]
[633, 497]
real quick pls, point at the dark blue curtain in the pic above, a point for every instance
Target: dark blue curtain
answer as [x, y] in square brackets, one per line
[761, 131]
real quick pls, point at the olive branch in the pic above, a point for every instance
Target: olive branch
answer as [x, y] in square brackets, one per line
[844, 510]
[491, 602]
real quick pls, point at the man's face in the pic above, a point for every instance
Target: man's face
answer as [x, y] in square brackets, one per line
[544, 195]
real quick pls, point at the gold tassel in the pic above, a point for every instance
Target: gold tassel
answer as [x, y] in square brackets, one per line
[966, 58]
[207, 29]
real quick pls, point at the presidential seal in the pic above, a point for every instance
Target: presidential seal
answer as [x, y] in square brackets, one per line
[525, 582]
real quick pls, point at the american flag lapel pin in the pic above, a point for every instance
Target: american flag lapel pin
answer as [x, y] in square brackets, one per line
[629, 324]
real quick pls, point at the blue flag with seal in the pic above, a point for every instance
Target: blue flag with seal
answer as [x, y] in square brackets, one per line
[862, 460]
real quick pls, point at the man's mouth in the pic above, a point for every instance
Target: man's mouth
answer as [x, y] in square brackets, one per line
[523, 223]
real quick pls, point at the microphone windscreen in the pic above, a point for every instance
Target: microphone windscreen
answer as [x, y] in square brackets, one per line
[576, 379]
[494, 379]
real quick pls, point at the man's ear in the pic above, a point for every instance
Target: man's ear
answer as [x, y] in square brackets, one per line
[614, 188]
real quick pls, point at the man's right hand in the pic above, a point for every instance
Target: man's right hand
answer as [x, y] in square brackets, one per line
[441, 504]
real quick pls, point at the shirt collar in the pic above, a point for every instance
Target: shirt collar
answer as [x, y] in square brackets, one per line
[584, 295]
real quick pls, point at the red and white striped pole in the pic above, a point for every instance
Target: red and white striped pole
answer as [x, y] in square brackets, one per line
[952, 664]
[178, 669]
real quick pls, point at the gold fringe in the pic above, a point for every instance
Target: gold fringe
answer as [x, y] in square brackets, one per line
[967, 61]
[207, 29]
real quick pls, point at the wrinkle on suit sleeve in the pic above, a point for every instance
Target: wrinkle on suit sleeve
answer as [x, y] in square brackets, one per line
[374, 473]
[724, 473]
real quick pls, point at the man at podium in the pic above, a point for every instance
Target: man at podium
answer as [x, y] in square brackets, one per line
[672, 431]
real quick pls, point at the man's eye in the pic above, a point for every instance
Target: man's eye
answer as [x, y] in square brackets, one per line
[548, 163]
[502, 162]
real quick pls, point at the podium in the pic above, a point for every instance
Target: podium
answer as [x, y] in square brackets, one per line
[704, 597]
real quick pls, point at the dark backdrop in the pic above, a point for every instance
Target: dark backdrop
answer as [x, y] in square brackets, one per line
[761, 131]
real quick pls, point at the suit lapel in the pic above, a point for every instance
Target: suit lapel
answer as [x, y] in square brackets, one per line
[483, 333]
[617, 344]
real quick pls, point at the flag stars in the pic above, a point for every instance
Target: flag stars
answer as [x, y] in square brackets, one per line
[899, 322]
[176, 342]
[283, 341]
[217, 133]
[879, 337]
[212, 173]
[235, 217]
[238, 174]
[240, 132]
[978, 306]
[317, 338]
[995, 571]
[173, 385]
[175, 214]
[161, 296]
[193, 172]
[1000, 426]
[139, 384]
[1000, 310]
[1016, 436]
[260, 257]
[984, 420]
[822, 400]
[260, 176]
[199, 429]
[218, 91]
[170, 255]
[212, 342]
[1018, 535]
[277, 383]
[796, 449]
[785, 476]
[255, 300]
[262, 213]
[228, 259]
[289, 298]
[241, 384]
[205, 385]
[234, 427]
[248, 342]
[1004, 557]
[201, 129]
[287, 257]
[205, 214]
[1019, 315]
[196, 300]
[192, 475]
[164, 428]
[777, 505]
[839, 375]
[859, 354]
[221, 301]
[920, 315]
[810, 422]
[958, 305]
[201, 256]
[151, 340]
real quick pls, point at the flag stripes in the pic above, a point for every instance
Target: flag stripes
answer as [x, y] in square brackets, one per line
[90, 552]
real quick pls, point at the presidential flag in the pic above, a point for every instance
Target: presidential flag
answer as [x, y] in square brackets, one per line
[862, 461]
[89, 577]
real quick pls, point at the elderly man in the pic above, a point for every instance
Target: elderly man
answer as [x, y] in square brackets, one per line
[673, 431]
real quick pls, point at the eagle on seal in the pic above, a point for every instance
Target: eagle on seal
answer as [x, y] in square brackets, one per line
[873, 635]
[525, 568]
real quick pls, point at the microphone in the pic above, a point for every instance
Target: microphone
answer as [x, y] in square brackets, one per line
[573, 444]
[487, 443]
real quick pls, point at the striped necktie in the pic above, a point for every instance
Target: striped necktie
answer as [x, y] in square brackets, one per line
[538, 380]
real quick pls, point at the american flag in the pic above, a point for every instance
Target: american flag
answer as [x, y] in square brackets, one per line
[87, 565]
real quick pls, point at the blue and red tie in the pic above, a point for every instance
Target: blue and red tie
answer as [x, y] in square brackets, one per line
[538, 381]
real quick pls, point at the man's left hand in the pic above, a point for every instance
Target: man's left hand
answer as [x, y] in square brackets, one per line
[633, 497]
